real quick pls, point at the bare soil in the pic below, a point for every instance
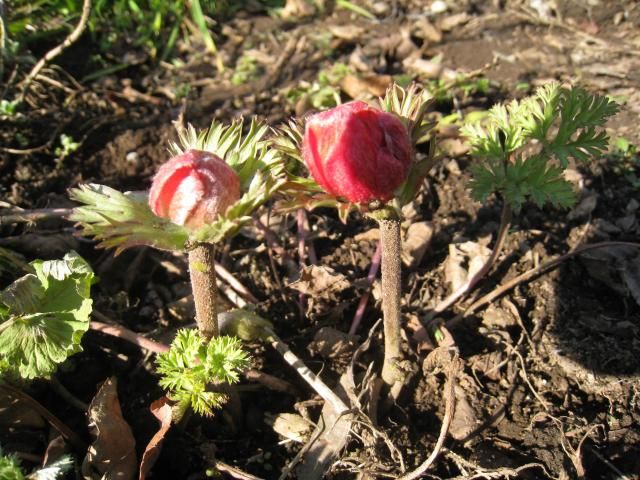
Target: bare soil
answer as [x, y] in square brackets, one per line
[549, 381]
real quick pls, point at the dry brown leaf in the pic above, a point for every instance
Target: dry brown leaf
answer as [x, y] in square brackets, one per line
[366, 86]
[452, 21]
[426, 30]
[617, 267]
[291, 426]
[331, 343]
[113, 453]
[425, 68]
[163, 412]
[347, 32]
[320, 281]
[415, 243]
[464, 260]
[464, 419]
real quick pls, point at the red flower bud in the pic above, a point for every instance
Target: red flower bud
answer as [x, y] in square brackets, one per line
[193, 188]
[357, 152]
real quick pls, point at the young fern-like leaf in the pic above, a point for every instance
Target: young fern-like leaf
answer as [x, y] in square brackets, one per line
[554, 125]
[190, 366]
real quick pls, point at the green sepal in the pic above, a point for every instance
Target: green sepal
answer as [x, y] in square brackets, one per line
[123, 220]
[44, 316]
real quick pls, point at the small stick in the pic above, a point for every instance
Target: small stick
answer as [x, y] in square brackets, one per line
[27, 216]
[51, 54]
[505, 222]
[71, 399]
[364, 299]
[311, 378]
[55, 422]
[533, 273]
[126, 334]
[449, 409]
[228, 277]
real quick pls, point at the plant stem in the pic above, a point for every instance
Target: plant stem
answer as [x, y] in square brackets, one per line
[205, 291]
[505, 222]
[391, 270]
[371, 276]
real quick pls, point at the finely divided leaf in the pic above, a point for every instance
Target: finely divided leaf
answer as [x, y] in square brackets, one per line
[45, 316]
[190, 366]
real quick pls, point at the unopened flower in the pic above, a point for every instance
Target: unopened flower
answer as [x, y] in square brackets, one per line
[193, 188]
[357, 152]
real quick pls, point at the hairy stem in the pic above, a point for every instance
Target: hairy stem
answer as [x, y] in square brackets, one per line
[503, 229]
[205, 291]
[391, 270]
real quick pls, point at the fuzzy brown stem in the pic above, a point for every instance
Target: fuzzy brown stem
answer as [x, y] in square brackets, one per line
[205, 291]
[391, 270]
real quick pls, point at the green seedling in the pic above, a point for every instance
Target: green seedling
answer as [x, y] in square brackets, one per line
[191, 366]
[525, 146]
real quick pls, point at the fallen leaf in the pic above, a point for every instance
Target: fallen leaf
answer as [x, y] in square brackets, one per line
[616, 267]
[426, 30]
[291, 426]
[113, 453]
[415, 243]
[464, 419]
[366, 86]
[163, 412]
[425, 68]
[452, 21]
[464, 260]
[320, 281]
[584, 208]
[328, 439]
[347, 32]
[329, 342]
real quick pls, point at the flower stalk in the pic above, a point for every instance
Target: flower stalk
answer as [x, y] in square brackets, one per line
[205, 289]
[391, 291]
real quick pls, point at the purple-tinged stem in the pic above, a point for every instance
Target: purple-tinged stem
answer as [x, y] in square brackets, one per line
[302, 237]
[364, 299]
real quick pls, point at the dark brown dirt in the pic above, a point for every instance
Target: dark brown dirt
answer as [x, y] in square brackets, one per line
[550, 379]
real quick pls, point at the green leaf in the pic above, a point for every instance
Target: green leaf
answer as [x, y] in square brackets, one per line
[123, 220]
[45, 315]
[190, 366]
[10, 467]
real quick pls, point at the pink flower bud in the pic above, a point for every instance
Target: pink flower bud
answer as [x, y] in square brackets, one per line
[357, 152]
[193, 188]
